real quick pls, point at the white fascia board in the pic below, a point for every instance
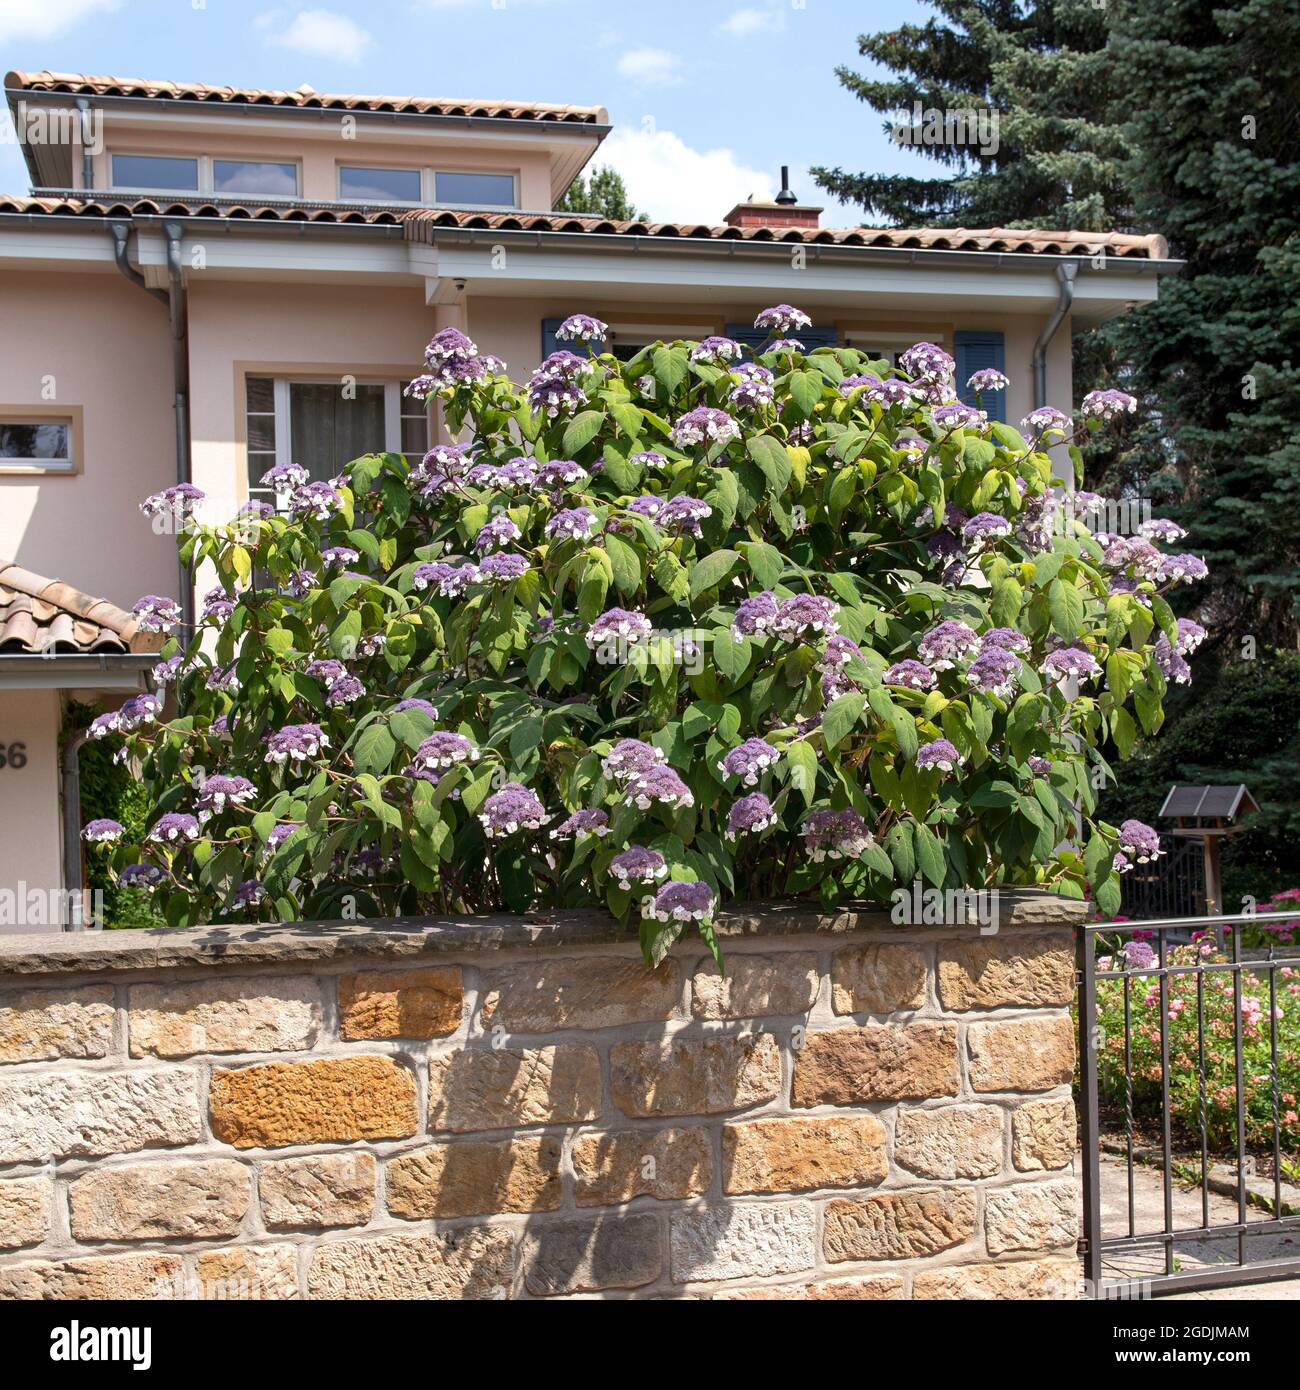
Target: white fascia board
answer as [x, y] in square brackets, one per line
[32, 245]
[279, 254]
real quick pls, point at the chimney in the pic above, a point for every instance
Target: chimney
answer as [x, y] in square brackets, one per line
[785, 212]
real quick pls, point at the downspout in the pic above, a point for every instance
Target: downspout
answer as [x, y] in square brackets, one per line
[70, 774]
[1065, 298]
[174, 298]
[87, 159]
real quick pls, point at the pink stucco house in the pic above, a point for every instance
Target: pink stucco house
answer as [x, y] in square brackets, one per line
[205, 280]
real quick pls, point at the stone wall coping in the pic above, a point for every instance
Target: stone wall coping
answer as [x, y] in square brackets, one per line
[110, 952]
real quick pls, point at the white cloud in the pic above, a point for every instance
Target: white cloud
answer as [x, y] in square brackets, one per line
[672, 182]
[654, 67]
[43, 19]
[317, 33]
[750, 21]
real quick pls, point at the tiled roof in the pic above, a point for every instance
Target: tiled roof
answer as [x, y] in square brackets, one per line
[423, 223]
[79, 84]
[38, 615]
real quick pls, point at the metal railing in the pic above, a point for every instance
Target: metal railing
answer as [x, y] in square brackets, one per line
[1161, 1257]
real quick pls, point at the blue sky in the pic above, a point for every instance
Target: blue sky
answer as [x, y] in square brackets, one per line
[707, 100]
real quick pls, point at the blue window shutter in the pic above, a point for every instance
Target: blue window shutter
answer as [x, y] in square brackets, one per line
[550, 343]
[974, 350]
[811, 338]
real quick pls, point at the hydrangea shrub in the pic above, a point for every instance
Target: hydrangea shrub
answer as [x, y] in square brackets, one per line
[657, 634]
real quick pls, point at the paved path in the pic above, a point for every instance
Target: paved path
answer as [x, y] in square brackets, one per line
[1193, 1252]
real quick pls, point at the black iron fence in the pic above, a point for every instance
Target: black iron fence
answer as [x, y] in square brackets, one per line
[1187, 1060]
[1171, 886]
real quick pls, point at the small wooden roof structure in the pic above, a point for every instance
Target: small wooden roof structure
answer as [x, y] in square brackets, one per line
[1208, 810]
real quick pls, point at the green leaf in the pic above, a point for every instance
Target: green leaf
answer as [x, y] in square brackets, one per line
[764, 561]
[806, 390]
[670, 574]
[840, 717]
[625, 562]
[581, 430]
[670, 367]
[1065, 603]
[929, 854]
[771, 457]
[802, 762]
[730, 656]
[712, 570]
[374, 749]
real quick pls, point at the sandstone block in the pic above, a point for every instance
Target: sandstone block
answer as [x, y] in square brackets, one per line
[150, 1201]
[756, 1240]
[248, 1272]
[476, 1177]
[422, 1003]
[899, 1225]
[1041, 1279]
[450, 1264]
[1031, 1216]
[143, 1276]
[588, 992]
[323, 1190]
[878, 979]
[491, 1088]
[957, 1141]
[882, 1061]
[1043, 1135]
[695, 1076]
[39, 1025]
[803, 1153]
[756, 986]
[253, 1015]
[1032, 1054]
[24, 1212]
[331, 1100]
[609, 1252]
[666, 1163]
[991, 972]
[873, 1288]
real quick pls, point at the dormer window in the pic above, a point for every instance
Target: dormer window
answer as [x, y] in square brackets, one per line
[155, 173]
[358, 185]
[252, 177]
[475, 190]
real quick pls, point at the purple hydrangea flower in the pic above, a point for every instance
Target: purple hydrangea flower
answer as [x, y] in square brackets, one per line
[683, 514]
[751, 393]
[647, 505]
[647, 458]
[1138, 955]
[618, 626]
[1190, 636]
[836, 655]
[804, 614]
[987, 379]
[1036, 521]
[286, 477]
[169, 671]
[1070, 661]
[552, 392]
[1005, 637]
[174, 827]
[716, 349]
[344, 691]
[638, 865]
[912, 675]
[218, 792]
[279, 834]
[679, 902]
[339, 556]
[300, 583]
[450, 580]
[496, 534]
[449, 345]
[140, 876]
[835, 835]
[923, 360]
[994, 671]
[1138, 841]
[575, 523]
[561, 473]
[295, 742]
[850, 384]
[1046, 419]
[442, 750]
[519, 474]
[630, 757]
[326, 670]
[581, 825]
[958, 416]
[316, 499]
[782, 318]
[750, 815]
[1162, 529]
[103, 831]
[1181, 569]
[1171, 662]
[1040, 767]
[947, 643]
[1105, 405]
[940, 753]
[749, 761]
[511, 809]
[887, 394]
[504, 567]
[658, 784]
[154, 613]
[985, 527]
[581, 327]
[248, 894]
[754, 616]
[702, 424]
[178, 502]
[787, 345]
[416, 703]
[137, 711]
[439, 469]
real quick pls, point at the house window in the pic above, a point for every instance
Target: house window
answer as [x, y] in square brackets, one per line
[324, 425]
[886, 346]
[42, 445]
[475, 190]
[379, 185]
[249, 176]
[150, 172]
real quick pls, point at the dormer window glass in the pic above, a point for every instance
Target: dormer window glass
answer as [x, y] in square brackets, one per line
[150, 172]
[358, 185]
[475, 190]
[254, 178]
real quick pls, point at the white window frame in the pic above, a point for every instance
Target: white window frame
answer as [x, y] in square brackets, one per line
[206, 175]
[421, 201]
[891, 343]
[510, 174]
[59, 468]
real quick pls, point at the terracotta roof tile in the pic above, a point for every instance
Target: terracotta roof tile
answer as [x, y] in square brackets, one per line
[423, 223]
[79, 84]
[39, 614]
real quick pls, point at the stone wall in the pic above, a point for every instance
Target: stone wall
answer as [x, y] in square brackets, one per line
[520, 1109]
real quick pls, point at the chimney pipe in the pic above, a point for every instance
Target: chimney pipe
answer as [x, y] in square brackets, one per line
[786, 197]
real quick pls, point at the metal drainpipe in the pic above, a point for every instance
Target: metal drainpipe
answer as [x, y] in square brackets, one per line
[70, 772]
[1065, 298]
[174, 298]
[87, 159]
